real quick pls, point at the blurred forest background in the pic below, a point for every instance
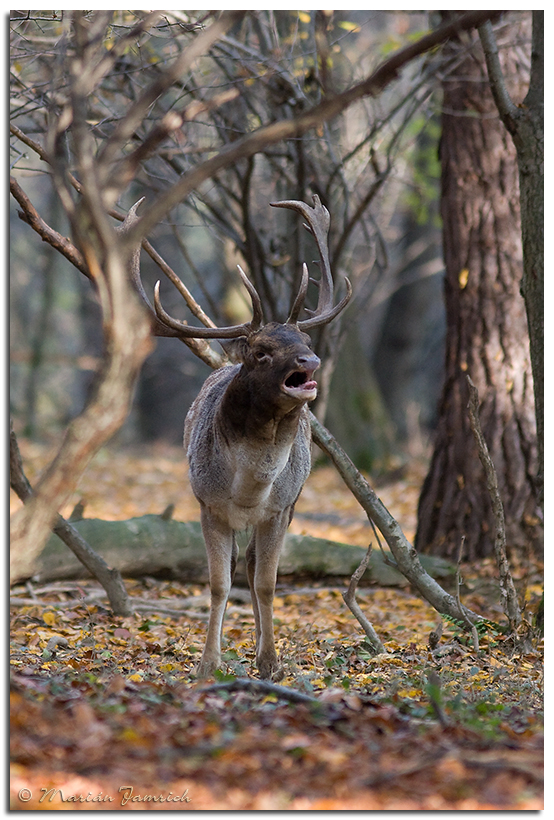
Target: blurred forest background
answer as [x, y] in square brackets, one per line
[421, 152]
[382, 399]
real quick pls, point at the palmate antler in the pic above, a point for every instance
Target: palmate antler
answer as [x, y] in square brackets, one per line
[317, 219]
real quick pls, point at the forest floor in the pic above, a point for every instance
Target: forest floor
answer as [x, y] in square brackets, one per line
[106, 712]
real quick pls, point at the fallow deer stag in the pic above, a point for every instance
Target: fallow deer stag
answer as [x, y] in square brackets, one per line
[247, 437]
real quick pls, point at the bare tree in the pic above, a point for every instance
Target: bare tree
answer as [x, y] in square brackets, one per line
[261, 121]
[93, 157]
[127, 331]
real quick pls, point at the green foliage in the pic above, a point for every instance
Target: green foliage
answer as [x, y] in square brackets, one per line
[348, 26]
[422, 196]
[484, 716]
[230, 655]
[223, 677]
[483, 627]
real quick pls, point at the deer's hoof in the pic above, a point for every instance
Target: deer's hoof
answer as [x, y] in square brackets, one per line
[270, 668]
[206, 668]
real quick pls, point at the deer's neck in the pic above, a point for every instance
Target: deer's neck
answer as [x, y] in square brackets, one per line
[248, 413]
[259, 436]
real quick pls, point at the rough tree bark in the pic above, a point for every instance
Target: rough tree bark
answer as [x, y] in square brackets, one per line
[526, 125]
[487, 335]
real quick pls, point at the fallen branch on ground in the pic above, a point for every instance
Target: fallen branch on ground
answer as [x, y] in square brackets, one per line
[261, 687]
[407, 560]
[159, 546]
[109, 578]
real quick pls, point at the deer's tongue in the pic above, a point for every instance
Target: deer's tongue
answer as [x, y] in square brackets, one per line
[300, 383]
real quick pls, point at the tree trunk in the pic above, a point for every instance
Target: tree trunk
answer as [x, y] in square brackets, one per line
[525, 122]
[487, 335]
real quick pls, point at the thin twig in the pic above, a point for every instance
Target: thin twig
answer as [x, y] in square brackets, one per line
[457, 594]
[508, 594]
[350, 601]
[138, 605]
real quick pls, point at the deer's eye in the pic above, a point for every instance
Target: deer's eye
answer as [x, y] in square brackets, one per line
[262, 355]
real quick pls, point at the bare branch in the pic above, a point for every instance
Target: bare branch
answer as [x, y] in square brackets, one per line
[31, 143]
[296, 127]
[109, 578]
[134, 117]
[109, 58]
[506, 107]
[407, 561]
[261, 687]
[172, 121]
[508, 595]
[30, 215]
[199, 347]
[352, 604]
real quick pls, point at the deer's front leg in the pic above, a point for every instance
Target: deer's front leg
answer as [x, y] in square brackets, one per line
[262, 559]
[222, 554]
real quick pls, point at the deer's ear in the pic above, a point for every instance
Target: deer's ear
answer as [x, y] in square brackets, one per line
[236, 349]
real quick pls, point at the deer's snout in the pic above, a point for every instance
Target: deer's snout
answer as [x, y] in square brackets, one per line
[309, 362]
[300, 384]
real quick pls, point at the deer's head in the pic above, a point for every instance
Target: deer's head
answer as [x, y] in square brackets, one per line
[279, 363]
[278, 356]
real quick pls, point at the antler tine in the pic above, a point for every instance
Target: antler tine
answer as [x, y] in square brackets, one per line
[301, 295]
[162, 323]
[158, 328]
[318, 221]
[317, 320]
[257, 313]
[232, 332]
[131, 217]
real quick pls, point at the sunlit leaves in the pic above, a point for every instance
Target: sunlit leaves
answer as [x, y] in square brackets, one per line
[116, 700]
[348, 26]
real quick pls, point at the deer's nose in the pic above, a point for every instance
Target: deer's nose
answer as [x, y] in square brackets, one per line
[309, 362]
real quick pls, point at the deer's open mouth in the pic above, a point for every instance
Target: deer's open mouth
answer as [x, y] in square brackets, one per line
[301, 384]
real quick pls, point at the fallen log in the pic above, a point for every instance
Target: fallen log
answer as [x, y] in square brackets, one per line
[164, 548]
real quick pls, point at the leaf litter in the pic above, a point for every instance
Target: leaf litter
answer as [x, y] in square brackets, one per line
[106, 712]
